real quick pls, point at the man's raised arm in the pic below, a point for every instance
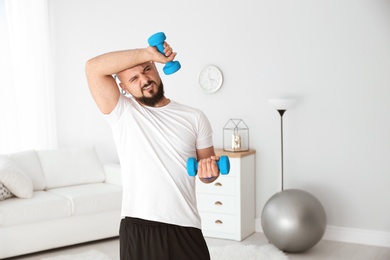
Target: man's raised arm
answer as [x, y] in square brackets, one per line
[99, 71]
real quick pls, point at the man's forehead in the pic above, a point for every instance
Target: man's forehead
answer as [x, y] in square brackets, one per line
[139, 67]
[134, 70]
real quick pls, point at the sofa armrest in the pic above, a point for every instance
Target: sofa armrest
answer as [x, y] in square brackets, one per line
[113, 174]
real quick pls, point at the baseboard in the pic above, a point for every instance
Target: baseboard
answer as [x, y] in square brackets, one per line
[350, 235]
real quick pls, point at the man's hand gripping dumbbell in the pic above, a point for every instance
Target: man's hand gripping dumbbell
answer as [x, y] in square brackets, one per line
[222, 165]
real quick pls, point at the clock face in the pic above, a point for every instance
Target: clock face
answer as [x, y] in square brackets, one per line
[210, 79]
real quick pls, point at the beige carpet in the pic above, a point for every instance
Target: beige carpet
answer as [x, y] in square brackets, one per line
[230, 252]
[87, 255]
[246, 252]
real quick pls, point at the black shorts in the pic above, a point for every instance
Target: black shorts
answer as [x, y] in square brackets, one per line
[148, 240]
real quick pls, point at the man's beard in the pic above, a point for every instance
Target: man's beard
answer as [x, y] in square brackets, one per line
[153, 100]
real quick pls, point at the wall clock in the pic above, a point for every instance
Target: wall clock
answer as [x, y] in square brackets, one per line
[210, 79]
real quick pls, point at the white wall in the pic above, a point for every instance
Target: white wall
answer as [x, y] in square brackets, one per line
[332, 56]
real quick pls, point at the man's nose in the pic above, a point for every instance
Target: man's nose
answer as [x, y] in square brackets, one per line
[144, 79]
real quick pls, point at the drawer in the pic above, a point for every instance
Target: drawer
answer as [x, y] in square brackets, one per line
[222, 223]
[223, 185]
[216, 203]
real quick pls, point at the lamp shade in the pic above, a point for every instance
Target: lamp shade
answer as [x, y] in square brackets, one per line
[281, 104]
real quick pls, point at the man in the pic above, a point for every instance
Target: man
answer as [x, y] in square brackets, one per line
[154, 137]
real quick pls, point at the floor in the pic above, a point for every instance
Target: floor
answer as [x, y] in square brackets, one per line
[328, 250]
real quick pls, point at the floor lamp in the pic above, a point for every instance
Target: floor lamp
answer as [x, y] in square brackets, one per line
[293, 220]
[281, 105]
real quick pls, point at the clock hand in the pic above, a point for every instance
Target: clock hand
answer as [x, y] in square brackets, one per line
[210, 80]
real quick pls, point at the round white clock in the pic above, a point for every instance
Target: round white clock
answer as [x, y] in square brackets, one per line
[210, 79]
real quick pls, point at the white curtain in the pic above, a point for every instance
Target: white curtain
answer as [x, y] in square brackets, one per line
[27, 116]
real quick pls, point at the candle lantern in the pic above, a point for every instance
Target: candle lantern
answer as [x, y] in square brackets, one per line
[235, 136]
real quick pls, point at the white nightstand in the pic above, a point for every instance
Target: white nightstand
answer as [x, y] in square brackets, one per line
[227, 206]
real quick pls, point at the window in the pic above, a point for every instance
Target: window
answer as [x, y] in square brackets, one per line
[27, 116]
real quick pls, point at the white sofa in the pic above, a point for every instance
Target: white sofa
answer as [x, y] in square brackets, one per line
[60, 198]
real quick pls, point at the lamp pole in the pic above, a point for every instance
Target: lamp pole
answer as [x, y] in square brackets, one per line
[281, 105]
[281, 112]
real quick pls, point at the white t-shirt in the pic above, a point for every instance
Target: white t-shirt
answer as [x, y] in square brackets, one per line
[153, 146]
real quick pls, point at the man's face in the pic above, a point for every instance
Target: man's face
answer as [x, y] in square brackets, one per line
[143, 83]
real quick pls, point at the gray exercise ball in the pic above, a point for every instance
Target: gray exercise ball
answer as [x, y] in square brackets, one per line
[293, 220]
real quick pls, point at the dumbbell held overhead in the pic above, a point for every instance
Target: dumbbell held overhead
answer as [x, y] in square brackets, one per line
[157, 40]
[223, 165]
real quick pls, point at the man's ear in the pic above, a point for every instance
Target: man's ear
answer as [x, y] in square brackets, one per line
[123, 90]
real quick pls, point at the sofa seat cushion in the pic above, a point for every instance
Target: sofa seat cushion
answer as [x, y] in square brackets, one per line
[91, 198]
[42, 206]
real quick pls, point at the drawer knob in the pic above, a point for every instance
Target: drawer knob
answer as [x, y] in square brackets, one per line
[218, 184]
[218, 222]
[218, 203]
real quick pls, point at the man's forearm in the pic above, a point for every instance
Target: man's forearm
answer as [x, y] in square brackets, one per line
[114, 62]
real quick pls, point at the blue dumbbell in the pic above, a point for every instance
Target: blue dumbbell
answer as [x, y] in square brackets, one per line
[157, 40]
[223, 165]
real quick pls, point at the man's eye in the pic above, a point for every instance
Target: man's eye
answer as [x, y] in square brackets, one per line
[132, 80]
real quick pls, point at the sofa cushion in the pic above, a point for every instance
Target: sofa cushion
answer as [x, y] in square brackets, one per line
[113, 173]
[29, 162]
[67, 167]
[4, 192]
[16, 181]
[41, 207]
[92, 198]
